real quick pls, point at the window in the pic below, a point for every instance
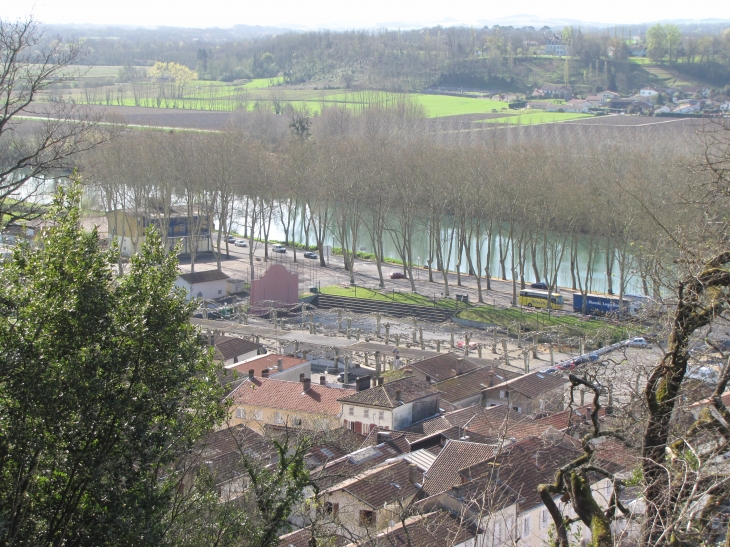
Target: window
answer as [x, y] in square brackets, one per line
[503, 394]
[331, 509]
[516, 409]
[278, 418]
[509, 527]
[297, 420]
[525, 527]
[367, 518]
[257, 415]
[352, 411]
[497, 533]
[241, 413]
[381, 415]
[366, 412]
[544, 519]
[220, 291]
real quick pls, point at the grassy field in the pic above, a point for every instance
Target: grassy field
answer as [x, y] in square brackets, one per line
[438, 106]
[401, 298]
[536, 320]
[534, 118]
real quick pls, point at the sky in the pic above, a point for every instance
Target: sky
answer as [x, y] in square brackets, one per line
[338, 14]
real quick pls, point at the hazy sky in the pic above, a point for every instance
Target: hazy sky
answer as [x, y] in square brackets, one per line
[342, 13]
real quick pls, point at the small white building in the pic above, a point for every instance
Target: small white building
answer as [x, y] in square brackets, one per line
[648, 92]
[206, 285]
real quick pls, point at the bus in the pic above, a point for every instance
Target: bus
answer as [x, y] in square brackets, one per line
[539, 299]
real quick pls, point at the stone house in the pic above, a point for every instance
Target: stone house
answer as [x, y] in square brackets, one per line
[532, 393]
[393, 405]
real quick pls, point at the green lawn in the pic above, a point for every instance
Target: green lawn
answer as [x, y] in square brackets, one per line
[260, 83]
[438, 106]
[534, 118]
[535, 320]
[400, 297]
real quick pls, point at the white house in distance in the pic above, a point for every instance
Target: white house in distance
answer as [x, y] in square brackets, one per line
[648, 92]
[207, 285]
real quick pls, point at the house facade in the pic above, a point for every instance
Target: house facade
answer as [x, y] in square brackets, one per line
[258, 402]
[207, 285]
[532, 393]
[394, 405]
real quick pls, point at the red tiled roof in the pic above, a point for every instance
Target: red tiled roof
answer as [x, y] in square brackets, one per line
[230, 347]
[570, 417]
[444, 366]
[386, 485]
[533, 384]
[456, 455]
[303, 537]
[410, 388]
[271, 393]
[431, 530]
[472, 383]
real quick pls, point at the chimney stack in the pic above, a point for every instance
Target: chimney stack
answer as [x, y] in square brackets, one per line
[322, 380]
[280, 364]
[265, 373]
[306, 384]
[483, 400]
[250, 374]
[459, 366]
[211, 340]
[428, 379]
[413, 473]
[382, 436]
[301, 376]
[380, 381]
[375, 382]
[397, 396]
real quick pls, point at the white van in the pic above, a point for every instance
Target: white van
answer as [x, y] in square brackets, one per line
[278, 248]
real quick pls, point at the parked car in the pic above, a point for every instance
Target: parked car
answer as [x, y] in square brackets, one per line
[310, 254]
[638, 343]
[278, 248]
[231, 239]
[350, 378]
[541, 285]
[240, 243]
[398, 275]
[570, 365]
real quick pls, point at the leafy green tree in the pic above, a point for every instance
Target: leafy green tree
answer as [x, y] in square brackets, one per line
[673, 39]
[103, 385]
[656, 42]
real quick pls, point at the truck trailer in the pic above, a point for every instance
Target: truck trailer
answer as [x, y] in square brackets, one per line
[598, 304]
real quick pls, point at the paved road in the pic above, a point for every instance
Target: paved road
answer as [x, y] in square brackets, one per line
[366, 275]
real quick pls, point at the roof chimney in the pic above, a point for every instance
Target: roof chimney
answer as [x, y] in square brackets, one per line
[301, 376]
[306, 384]
[483, 400]
[381, 380]
[375, 382]
[413, 473]
[428, 379]
[211, 340]
[265, 373]
[397, 396]
[362, 383]
[322, 380]
[250, 374]
[280, 364]
[382, 436]
[459, 366]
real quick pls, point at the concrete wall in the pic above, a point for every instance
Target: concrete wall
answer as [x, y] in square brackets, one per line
[208, 291]
[276, 288]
